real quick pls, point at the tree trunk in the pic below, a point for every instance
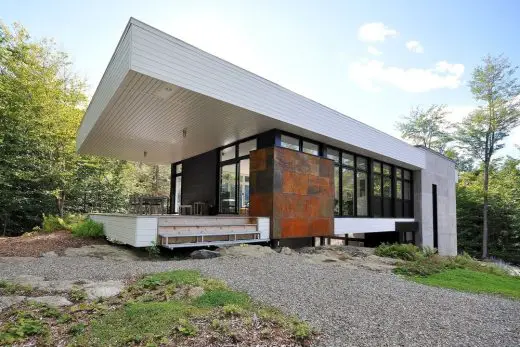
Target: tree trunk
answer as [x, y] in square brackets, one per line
[485, 212]
[60, 202]
[5, 224]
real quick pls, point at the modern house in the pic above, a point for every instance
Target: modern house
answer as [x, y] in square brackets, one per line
[267, 163]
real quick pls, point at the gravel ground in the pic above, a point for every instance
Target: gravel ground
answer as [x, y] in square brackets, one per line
[350, 307]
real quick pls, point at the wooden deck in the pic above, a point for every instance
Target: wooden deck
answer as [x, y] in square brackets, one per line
[173, 231]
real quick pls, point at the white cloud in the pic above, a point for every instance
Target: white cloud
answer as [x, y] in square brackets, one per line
[415, 46]
[374, 32]
[373, 73]
[458, 112]
[374, 51]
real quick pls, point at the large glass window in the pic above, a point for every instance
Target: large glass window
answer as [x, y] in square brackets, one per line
[361, 196]
[227, 196]
[228, 153]
[377, 190]
[244, 187]
[333, 154]
[178, 190]
[310, 148]
[407, 194]
[336, 190]
[348, 192]
[245, 147]
[387, 191]
[234, 178]
[290, 142]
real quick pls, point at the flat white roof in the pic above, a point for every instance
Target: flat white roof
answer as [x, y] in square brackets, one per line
[162, 96]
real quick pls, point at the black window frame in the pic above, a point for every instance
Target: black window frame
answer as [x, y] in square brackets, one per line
[173, 185]
[354, 167]
[236, 161]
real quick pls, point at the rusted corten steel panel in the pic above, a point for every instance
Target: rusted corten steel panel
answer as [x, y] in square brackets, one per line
[295, 189]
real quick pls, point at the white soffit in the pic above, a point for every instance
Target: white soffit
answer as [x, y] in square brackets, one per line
[155, 86]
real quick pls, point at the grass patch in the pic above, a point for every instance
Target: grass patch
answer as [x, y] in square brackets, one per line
[136, 323]
[179, 277]
[473, 281]
[159, 309]
[461, 272]
[9, 288]
[219, 298]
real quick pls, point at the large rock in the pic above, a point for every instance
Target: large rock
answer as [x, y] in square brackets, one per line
[247, 250]
[204, 254]
[195, 292]
[51, 300]
[103, 289]
[105, 252]
[8, 301]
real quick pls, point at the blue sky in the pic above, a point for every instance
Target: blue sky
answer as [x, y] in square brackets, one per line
[371, 60]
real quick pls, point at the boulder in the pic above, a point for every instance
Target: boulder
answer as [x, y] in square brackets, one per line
[195, 292]
[8, 301]
[286, 251]
[204, 254]
[51, 300]
[104, 289]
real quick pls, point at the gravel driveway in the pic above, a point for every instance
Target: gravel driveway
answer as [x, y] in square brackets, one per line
[350, 307]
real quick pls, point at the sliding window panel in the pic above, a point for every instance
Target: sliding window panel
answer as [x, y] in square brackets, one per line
[336, 191]
[362, 194]
[244, 187]
[178, 189]
[227, 196]
[377, 197]
[348, 192]
[399, 198]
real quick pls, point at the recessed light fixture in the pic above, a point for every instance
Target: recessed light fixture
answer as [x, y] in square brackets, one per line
[165, 91]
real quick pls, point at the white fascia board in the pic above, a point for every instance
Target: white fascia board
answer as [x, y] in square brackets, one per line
[114, 75]
[167, 58]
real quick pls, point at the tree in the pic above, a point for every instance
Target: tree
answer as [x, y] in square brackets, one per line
[426, 127]
[481, 134]
[41, 105]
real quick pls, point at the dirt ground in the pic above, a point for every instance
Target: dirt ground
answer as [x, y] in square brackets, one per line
[36, 244]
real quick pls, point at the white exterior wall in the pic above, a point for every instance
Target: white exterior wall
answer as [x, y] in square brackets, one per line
[439, 171]
[344, 226]
[136, 231]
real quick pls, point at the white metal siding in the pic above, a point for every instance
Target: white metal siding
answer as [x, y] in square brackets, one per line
[120, 229]
[146, 231]
[114, 75]
[166, 58]
[366, 225]
[263, 227]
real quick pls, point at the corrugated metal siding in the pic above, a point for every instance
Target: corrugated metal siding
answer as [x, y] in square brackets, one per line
[166, 58]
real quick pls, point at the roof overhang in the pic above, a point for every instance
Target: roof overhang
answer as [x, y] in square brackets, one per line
[162, 100]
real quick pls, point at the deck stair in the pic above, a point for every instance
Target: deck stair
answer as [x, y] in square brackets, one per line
[196, 231]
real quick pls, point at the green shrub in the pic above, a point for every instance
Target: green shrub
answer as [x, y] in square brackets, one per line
[88, 228]
[301, 330]
[53, 223]
[405, 251]
[186, 328]
[153, 251]
[434, 264]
